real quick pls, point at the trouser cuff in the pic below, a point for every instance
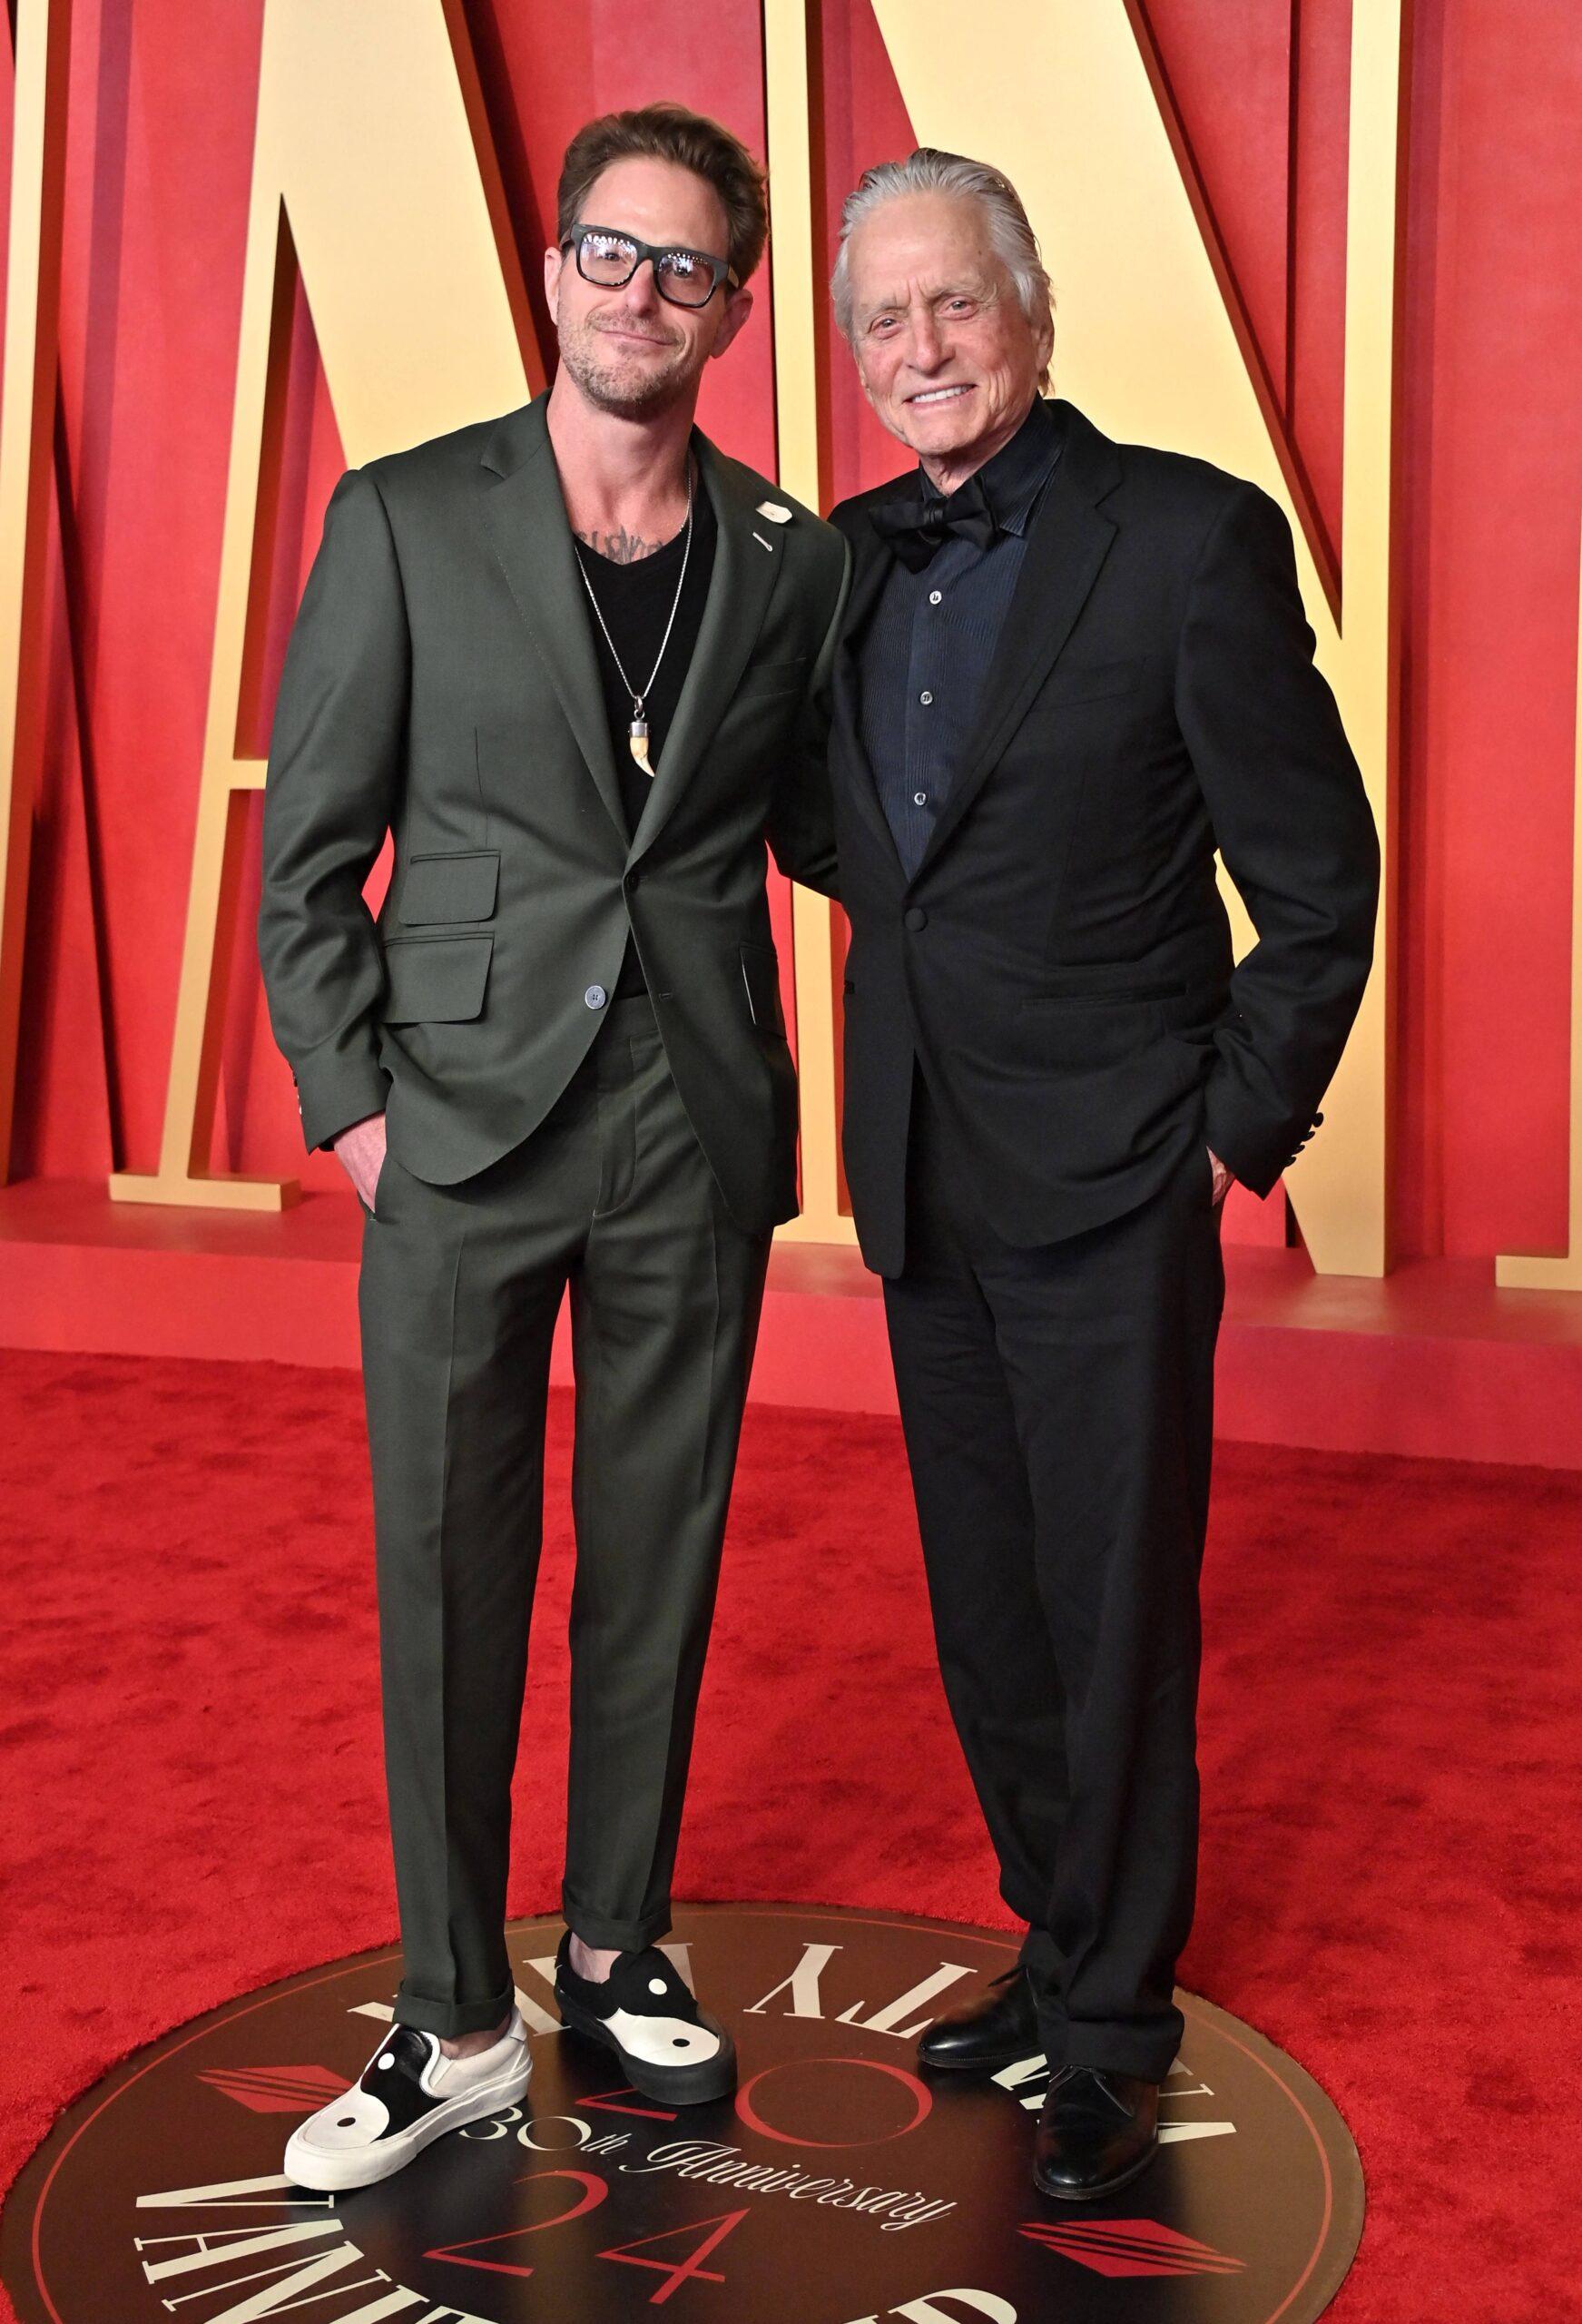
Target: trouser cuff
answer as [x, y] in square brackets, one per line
[449, 2018]
[1113, 2049]
[608, 1933]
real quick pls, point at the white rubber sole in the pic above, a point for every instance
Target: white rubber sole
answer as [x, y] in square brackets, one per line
[337, 2173]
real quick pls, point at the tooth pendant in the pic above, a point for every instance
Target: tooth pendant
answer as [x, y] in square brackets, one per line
[637, 744]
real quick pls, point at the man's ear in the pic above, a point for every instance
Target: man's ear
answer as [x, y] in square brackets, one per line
[738, 307]
[553, 260]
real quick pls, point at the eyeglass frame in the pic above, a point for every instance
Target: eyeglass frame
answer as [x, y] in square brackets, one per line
[724, 271]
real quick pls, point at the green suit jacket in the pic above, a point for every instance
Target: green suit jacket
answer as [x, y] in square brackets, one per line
[441, 684]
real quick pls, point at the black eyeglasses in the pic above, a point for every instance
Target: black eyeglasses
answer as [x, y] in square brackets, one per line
[686, 278]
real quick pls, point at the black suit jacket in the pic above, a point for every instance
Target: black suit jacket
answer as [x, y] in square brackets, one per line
[441, 684]
[1060, 963]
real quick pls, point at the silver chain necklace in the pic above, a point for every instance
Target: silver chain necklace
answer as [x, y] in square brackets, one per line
[637, 730]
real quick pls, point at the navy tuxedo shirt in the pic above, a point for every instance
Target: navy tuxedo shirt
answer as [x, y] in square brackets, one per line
[929, 646]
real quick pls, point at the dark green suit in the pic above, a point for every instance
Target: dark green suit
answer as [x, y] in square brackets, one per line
[441, 684]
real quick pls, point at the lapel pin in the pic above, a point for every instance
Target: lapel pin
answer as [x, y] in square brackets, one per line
[763, 544]
[777, 513]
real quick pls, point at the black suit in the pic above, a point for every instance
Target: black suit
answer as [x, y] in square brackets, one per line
[1061, 960]
[1043, 1033]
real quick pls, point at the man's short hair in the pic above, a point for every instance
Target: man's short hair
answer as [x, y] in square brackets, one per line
[930, 171]
[670, 132]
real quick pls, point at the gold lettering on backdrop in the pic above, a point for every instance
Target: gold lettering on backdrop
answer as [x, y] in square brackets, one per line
[389, 205]
[1565, 1272]
[1059, 97]
[375, 180]
[27, 412]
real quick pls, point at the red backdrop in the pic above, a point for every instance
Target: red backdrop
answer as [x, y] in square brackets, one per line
[160, 129]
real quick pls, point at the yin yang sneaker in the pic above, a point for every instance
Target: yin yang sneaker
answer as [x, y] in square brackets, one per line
[668, 2048]
[410, 2093]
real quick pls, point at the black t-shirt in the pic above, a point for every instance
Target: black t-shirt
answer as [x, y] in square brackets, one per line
[636, 600]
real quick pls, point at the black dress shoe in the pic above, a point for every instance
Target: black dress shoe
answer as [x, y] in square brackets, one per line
[1097, 2131]
[993, 2029]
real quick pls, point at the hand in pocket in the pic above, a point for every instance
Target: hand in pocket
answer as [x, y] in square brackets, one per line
[360, 1151]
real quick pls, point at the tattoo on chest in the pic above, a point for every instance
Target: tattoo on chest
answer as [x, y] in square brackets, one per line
[621, 546]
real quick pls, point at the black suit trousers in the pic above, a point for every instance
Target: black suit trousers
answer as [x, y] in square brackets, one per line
[1057, 1408]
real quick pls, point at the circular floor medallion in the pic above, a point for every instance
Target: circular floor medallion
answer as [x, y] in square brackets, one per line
[839, 2186]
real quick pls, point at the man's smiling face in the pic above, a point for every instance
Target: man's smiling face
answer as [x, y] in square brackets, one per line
[631, 352]
[946, 354]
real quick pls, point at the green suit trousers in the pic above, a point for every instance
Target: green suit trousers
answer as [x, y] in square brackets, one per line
[611, 1198]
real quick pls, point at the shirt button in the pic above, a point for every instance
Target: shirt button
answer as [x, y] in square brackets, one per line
[919, 798]
[595, 996]
[935, 595]
[925, 698]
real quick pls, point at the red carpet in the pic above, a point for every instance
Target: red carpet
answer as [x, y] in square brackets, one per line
[1390, 1753]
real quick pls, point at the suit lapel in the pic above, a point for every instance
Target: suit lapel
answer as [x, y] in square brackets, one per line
[875, 561]
[1067, 547]
[524, 518]
[740, 588]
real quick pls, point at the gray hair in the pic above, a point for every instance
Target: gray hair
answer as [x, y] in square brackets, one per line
[929, 171]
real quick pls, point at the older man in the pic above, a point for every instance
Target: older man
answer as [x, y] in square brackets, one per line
[1069, 670]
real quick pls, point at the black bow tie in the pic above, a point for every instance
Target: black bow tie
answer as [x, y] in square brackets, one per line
[916, 527]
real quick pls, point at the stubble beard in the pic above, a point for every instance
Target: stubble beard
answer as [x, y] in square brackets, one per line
[627, 387]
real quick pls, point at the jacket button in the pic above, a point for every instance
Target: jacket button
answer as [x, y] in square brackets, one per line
[629, 882]
[915, 917]
[595, 996]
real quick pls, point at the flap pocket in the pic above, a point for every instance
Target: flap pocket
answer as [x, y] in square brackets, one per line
[1103, 983]
[761, 975]
[436, 980]
[450, 887]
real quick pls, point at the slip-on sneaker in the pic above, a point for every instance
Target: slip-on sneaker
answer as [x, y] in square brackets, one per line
[409, 2095]
[668, 2047]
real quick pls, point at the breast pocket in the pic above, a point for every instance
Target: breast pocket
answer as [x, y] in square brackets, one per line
[767, 680]
[1068, 684]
